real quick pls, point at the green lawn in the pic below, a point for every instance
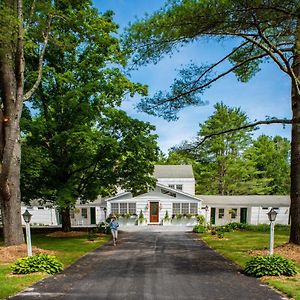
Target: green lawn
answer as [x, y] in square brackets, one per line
[67, 251]
[237, 245]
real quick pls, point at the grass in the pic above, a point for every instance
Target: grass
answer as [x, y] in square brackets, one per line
[237, 245]
[68, 249]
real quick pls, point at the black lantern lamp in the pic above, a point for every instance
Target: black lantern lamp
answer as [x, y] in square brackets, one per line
[27, 216]
[272, 214]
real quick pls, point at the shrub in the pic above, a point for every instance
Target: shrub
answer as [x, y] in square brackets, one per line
[37, 263]
[270, 265]
[141, 217]
[237, 226]
[92, 235]
[179, 216]
[188, 216]
[200, 219]
[166, 217]
[199, 229]
[103, 227]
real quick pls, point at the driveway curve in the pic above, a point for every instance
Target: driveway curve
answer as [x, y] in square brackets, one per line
[151, 265]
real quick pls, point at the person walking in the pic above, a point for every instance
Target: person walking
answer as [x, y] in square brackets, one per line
[114, 229]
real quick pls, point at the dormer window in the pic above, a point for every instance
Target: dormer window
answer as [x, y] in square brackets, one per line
[176, 186]
[168, 193]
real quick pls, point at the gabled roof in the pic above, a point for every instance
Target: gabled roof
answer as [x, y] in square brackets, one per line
[121, 195]
[246, 200]
[155, 193]
[173, 171]
[162, 186]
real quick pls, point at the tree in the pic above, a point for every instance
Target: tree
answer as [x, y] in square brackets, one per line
[84, 162]
[271, 158]
[85, 147]
[218, 154]
[262, 30]
[220, 165]
[25, 32]
[12, 66]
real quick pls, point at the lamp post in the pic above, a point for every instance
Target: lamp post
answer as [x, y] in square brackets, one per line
[206, 211]
[27, 217]
[272, 217]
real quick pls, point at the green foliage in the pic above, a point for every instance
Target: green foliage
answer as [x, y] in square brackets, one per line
[92, 234]
[233, 163]
[199, 228]
[201, 220]
[141, 217]
[179, 216]
[271, 158]
[271, 265]
[188, 216]
[37, 263]
[158, 35]
[166, 216]
[81, 144]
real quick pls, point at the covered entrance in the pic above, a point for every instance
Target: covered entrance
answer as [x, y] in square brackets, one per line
[154, 212]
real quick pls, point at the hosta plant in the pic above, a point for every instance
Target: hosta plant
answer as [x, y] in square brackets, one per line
[270, 265]
[37, 263]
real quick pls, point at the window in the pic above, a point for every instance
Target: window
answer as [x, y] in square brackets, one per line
[179, 187]
[132, 208]
[172, 186]
[168, 193]
[41, 207]
[176, 208]
[193, 208]
[221, 213]
[233, 213]
[84, 213]
[115, 208]
[184, 208]
[72, 214]
[123, 208]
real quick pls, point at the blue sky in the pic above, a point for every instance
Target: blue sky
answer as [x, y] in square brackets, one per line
[267, 94]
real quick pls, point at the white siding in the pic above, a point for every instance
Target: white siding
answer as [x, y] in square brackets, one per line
[259, 215]
[46, 216]
[188, 184]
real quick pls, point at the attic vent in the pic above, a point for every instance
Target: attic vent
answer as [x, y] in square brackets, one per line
[168, 193]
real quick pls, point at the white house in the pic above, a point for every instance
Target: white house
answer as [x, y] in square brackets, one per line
[42, 214]
[173, 196]
[251, 209]
[89, 213]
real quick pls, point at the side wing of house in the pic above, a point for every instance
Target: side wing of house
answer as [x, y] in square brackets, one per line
[251, 209]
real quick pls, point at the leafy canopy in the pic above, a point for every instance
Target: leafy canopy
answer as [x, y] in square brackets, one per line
[261, 31]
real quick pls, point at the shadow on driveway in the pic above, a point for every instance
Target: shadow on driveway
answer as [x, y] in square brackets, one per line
[151, 265]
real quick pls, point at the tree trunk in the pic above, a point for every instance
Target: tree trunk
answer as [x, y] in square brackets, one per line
[66, 220]
[295, 153]
[11, 87]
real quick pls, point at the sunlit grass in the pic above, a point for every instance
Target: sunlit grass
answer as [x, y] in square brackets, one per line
[67, 250]
[237, 246]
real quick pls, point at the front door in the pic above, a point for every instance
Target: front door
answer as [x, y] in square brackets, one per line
[213, 215]
[154, 212]
[243, 218]
[93, 215]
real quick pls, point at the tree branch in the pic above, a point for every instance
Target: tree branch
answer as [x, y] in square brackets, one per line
[31, 14]
[264, 122]
[41, 58]
[213, 80]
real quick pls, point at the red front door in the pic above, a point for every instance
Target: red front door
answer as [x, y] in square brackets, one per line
[154, 212]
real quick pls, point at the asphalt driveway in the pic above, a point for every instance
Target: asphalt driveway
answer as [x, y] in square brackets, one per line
[151, 265]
